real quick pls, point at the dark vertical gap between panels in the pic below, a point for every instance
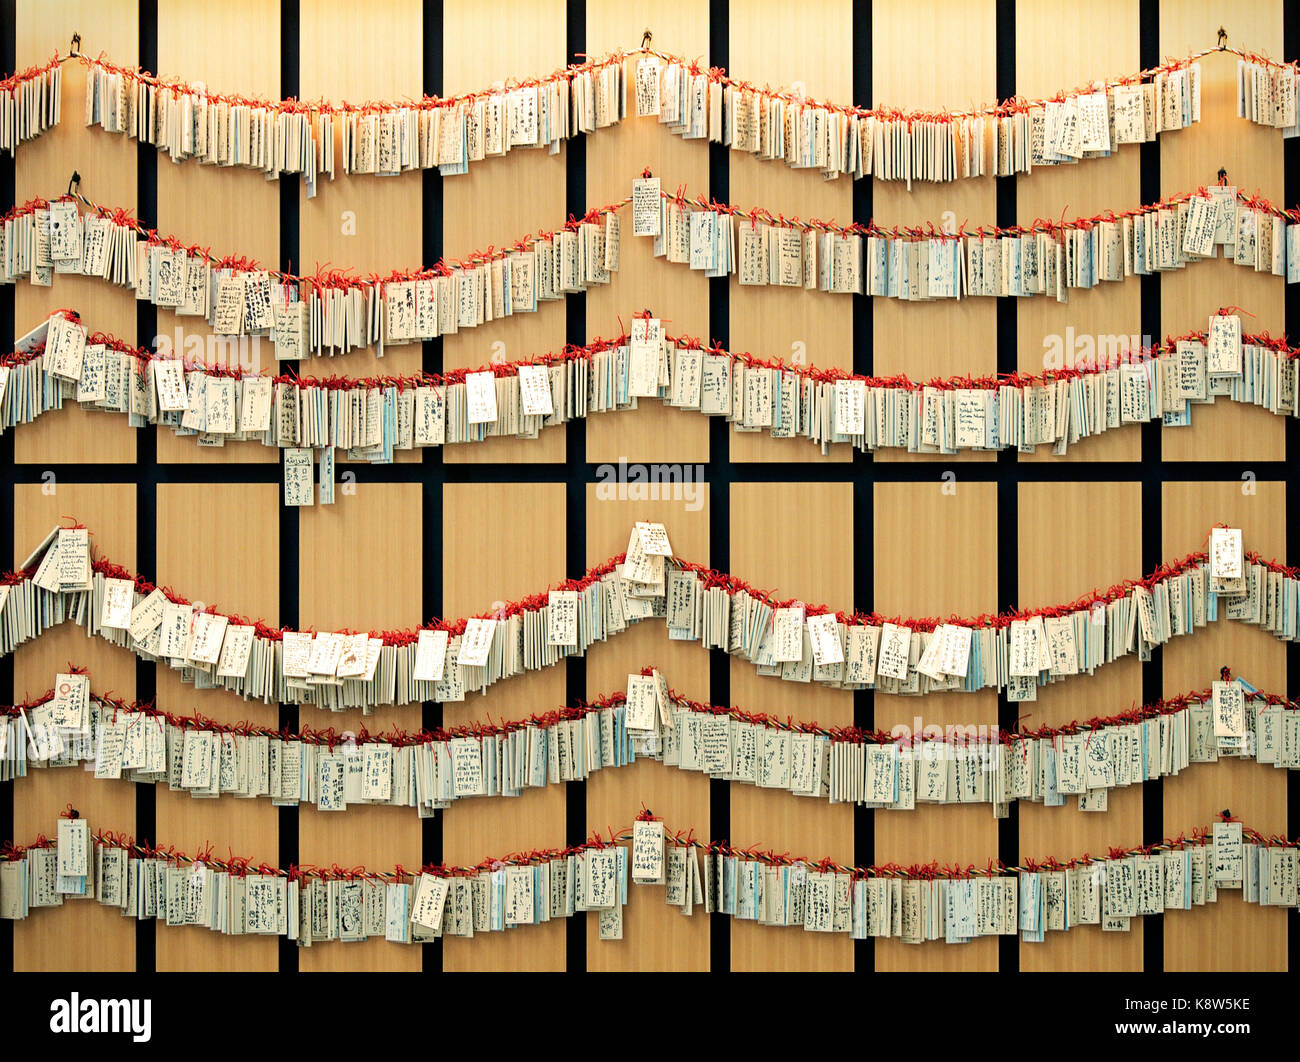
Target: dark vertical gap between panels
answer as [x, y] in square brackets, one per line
[1153, 797]
[864, 501]
[290, 235]
[8, 61]
[575, 510]
[431, 507]
[719, 480]
[1008, 499]
[146, 471]
[1291, 189]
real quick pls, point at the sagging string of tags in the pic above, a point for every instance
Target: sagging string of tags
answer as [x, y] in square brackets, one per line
[924, 263]
[286, 137]
[914, 904]
[430, 770]
[369, 418]
[334, 311]
[1266, 93]
[330, 312]
[444, 660]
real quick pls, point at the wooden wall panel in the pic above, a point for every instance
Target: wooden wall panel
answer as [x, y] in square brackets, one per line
[935, 553]
[357, 558]
[202, 555]
[654, 936]
[1062, 334]
[356, 563]
[503, 559]
[797, 326]
[365, 224]
[811, 560]
[1252, 156]
[909, 71]
[1053, 334]
[42, 170]
[486, 208]
[232, 48]
[932, 552]
[653, 432]
[1240, 936]
[1097, 558]
[83, 935]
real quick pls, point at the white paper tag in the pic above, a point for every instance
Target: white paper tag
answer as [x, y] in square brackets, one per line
[480, 397]
[476, 643]
[430, 656]
[535, 391]
[1225, 552]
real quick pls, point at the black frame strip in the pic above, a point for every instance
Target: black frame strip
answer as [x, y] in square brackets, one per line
[1007, 469]
[575, 443]
[146, 464]
[719, 478]
[8, 195]
[1153, 798]
[288, 551]
[431, 467]
[864, 487]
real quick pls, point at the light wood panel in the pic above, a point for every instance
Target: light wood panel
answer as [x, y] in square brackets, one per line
[360, 560]
[811, 560]
[82, 935]
[655, 937]
[1053, 334]
[348, 578]
[615, 157]
[503, 198]
[935, 553]
[362, 223]
[1252, 156]
[1100, 553]
[231, 48]
[804, 327]
[516, 549]
[1241, 936]
[42, 169]
[199, 536]
[910, 43]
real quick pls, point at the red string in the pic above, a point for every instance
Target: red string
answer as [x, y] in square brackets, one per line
[710, 578]
[336, 279]
[242, 865]
[928, 231]
[715, 75]
[572, 354]
[951, 734]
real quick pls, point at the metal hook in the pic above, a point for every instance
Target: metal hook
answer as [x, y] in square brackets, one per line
[646, 37]
[1223, 175]
[75, 47]
[1223, 38]
[74, 179]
